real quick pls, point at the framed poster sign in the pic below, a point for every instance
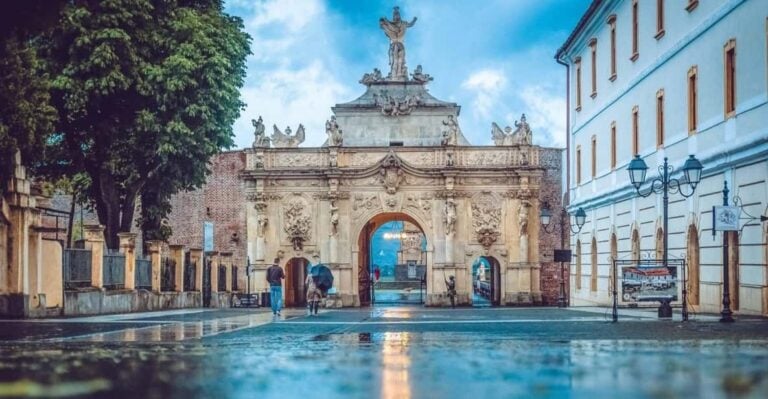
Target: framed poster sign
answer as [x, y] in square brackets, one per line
[726, 218]
[648, 282]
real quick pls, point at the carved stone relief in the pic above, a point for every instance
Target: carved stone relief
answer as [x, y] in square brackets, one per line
[486, 218]
[297, 222]
[298, 160]
[364, 203]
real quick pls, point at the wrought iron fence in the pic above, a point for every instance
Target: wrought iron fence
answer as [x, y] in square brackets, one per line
[168, 276]
[234, 279]
[222, 278]
[189, 274]
[143, 274]
[76, 268]
[114, 270]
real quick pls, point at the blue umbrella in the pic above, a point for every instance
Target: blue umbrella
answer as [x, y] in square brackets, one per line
[322, 277]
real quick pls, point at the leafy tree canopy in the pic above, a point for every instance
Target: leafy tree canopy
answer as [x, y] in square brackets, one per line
[148, 91]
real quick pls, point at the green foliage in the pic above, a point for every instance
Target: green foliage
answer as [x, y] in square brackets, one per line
[149, 90]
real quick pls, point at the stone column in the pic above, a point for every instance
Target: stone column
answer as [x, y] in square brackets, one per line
[196, 257]
[128, 248]
[226, 260]
[94, 241]
[214, 257]
[155, 252]
[177, 254]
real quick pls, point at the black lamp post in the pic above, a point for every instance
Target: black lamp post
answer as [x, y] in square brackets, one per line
[564, 255]
[664, 185]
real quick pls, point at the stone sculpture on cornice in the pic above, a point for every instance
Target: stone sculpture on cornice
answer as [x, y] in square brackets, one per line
[335, 137]
[395, 31]
[260, 138]
[372, 77]
[451, 133]
[287, 140]
[521, 135]
[419, 76]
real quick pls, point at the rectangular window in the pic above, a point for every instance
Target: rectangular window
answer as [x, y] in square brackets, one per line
[730, 78]
[635, 132]
[692, 100]
[659, 19]
[578, 165]
[612, 23]
[660, 118]
[594, 156]
[634, 31]
[593, 50]
[613, 145]
[578, 83]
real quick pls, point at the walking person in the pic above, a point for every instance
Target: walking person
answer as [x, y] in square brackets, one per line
[313, 295]
[275, 276]
[450, 285]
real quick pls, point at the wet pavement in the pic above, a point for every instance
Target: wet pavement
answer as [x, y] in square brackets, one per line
[388, 352]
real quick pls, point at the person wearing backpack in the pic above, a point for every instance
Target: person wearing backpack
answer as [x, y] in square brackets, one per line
[275, 276]
[313, 295]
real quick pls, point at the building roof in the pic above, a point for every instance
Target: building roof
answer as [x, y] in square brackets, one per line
[579, 27]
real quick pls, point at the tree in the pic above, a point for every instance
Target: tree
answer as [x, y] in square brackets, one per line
[26, 115]
[148, 91]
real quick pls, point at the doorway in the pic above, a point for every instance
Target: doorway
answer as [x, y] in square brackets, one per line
[486, 282]
[295, 274]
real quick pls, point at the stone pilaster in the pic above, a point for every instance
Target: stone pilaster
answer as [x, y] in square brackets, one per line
[128, 248]
[94, 241]
[155, 252]
[214, 257]
[177, 254]
[226, 260]
[196, 257]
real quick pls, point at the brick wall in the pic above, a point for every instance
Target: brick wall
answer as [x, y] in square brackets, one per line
[551, 192]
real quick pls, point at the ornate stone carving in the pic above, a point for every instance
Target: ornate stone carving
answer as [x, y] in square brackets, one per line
[301, 159]
[334, 218]
[450, 217]
[486, 218]
[451, 132]
[421, 158]
[287, 140]
[260, 139]
[364, 203]
[372, 77]
[394, 106]
[485, 158]
[522, 217]
[335, 137]
[521, 135]
[419, 76]
[391, 174]
[262, 220]
[297, 222]
[395, 31]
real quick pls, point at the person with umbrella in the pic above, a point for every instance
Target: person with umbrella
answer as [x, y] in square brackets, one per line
[319, 281]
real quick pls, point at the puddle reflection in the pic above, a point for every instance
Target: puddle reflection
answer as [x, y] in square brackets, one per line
[395, 365]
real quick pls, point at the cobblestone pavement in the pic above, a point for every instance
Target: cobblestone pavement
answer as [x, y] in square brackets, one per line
[388, 352]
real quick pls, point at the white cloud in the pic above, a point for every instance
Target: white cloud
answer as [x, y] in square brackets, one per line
[545, 111]
[486, 86]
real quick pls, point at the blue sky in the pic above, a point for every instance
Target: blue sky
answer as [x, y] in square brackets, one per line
[495, 58]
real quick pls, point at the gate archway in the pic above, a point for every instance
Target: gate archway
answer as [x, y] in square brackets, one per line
[295, 274]
[486, 281]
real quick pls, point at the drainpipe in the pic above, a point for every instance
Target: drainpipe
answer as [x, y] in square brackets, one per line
[566, 196]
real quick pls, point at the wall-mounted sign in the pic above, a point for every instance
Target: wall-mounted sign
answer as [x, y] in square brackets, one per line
[726, 218]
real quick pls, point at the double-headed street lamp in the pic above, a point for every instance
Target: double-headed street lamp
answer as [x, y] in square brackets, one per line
[562, 255]
[664, 185]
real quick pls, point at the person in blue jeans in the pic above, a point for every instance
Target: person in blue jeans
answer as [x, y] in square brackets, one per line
[275, 276]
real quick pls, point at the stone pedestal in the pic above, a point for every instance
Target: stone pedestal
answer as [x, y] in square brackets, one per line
[177, 254]
[94, 241]
[128, 248]
[155, 252]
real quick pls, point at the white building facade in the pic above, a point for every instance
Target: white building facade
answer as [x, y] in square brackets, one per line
[669, 78]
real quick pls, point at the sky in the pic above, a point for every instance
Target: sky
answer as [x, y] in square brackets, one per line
[495, 58]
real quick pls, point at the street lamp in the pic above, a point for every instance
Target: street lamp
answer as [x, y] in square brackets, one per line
[664, 185]
[562, 255]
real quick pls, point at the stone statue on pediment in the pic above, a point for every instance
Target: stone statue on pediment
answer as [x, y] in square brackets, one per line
[287, 140]
[419, 76]
[260, 139]
[451, 132]
[521, 135]
[335, 137]
[395, 31]
[372, 77]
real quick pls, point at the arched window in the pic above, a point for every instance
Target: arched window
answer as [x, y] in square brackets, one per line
[692, 261]
[578, 265]
[593, 270]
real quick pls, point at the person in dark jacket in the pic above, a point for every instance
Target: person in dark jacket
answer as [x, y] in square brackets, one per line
[275, 276]
[450, 286]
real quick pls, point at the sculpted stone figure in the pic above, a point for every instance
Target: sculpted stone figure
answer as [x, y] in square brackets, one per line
[395, 31]
[334, 218]
[369, 78]
[522, 217]
[521, 135]
[451, 133]
[420, 77]
[334, 133]
[450, 216]
[260, 138]
[286, 139]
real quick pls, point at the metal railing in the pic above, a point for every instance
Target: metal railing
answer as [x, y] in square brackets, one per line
[76, 268]
[143, 274]
[113, 270]
[168, 275]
